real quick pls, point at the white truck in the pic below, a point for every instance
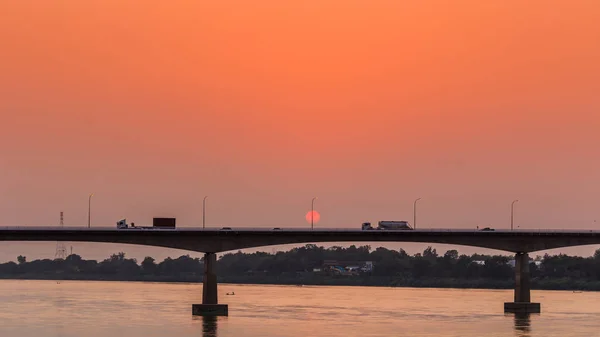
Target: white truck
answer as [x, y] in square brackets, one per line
[122, 224]
[157, 223]
[388, 225]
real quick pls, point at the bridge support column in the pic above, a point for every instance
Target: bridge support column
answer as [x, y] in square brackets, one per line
[210, 305]
[522, 303]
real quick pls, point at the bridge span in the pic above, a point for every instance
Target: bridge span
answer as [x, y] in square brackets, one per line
[213, 240]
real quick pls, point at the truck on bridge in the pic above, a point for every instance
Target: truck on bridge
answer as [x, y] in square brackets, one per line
[157, 223]
[388, 225]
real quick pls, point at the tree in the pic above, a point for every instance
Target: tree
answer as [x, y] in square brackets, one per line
[451, 255]
[117, 264]
[497, 267]
[597, 254]
[421, 267]
[21, 259]
[117, 257]
[430, 253]
[148, 265]
[73, 258]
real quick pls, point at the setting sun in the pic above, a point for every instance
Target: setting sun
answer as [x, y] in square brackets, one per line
[315, 215]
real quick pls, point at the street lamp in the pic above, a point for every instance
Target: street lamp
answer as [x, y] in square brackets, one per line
[204, 212]
[90, 210]
[312, 213]
[415, 213]
[512, 214]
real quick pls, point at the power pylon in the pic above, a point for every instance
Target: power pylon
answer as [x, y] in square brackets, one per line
[61, 250]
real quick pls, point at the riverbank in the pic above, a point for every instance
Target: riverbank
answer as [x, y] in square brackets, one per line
[336, 266]
[546, 284]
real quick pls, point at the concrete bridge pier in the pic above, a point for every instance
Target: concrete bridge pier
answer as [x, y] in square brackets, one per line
[210, 305]
[522, 303]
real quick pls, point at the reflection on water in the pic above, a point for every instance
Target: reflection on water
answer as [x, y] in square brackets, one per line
[136, 309]
[523, 324]
[209, 326]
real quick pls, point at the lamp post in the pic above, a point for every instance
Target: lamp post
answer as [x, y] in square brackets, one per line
[512, 214]
[90, 210]
[204, 212]
[312, 213]
[415, 213]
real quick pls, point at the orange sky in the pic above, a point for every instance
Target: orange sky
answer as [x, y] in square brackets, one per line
[262, 105]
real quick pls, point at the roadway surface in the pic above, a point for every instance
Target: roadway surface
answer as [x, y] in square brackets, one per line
[218, 240]
[292, 229]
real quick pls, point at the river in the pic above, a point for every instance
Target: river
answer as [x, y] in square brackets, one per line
[136, 309]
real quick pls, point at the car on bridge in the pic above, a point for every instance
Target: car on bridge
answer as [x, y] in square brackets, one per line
[487, 229]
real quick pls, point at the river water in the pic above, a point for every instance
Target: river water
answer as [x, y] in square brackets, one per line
[132, 309]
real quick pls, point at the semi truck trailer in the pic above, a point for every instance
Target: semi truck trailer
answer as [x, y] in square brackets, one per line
[157, 223]
[388, 225]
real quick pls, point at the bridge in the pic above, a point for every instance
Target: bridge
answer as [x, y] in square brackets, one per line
[212, 240]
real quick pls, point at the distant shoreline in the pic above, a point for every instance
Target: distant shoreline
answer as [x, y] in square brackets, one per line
[429, 283]
[318, 266]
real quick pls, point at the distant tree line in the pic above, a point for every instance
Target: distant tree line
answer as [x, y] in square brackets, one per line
[116, 267]
[296, 266]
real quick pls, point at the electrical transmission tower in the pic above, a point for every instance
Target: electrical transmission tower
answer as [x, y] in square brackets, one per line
[61, 250]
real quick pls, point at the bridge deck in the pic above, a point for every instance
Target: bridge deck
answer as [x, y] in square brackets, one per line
[302, 230]
[218, 240]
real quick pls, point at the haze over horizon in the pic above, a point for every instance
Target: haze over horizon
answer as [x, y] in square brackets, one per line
[263, 105]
